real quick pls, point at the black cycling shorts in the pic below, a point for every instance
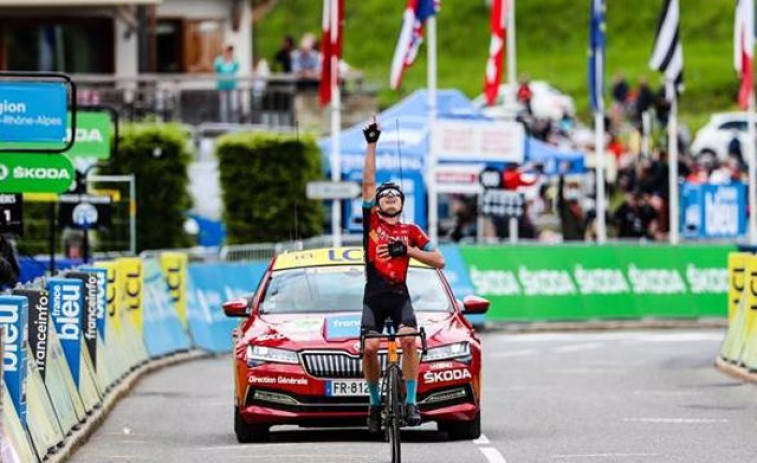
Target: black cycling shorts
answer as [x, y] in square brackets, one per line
[377, 309]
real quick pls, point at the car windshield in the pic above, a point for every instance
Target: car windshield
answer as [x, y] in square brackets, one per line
[340, 289]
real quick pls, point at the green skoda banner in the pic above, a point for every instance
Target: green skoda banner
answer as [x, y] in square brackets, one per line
[94, 133]
[35, 173]
[582, 282]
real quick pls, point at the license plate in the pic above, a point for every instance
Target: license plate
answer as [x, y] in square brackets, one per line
[355, 388]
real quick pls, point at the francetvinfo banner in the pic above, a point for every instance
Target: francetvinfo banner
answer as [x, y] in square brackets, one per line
[612, 282]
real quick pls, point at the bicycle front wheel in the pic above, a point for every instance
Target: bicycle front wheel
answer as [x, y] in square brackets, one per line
[394, 415]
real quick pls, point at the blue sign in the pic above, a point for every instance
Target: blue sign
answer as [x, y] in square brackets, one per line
[342, 327]
[66, 310]
[14, 312]
[713, 211]
[33, 112]
[102, 298]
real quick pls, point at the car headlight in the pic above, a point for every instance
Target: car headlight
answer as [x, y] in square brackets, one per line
[260, 354]
[450, 351]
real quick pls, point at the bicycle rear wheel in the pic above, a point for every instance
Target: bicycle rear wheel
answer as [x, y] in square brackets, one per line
[394, 415]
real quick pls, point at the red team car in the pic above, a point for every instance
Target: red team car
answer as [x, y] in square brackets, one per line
[296, 351]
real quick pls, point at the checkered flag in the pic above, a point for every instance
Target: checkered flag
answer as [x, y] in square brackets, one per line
[502, 203]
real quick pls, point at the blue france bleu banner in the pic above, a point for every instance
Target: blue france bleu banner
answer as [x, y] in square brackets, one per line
[102, 298]
[342, 326]
[713, 211]
[66, 311]
[33, 112]
[14, 312]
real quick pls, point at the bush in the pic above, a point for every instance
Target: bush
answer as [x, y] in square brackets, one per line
[157, 155]
[263, 180]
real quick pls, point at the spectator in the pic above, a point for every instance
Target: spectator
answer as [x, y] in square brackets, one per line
[572, 219]
[645, 99]
[662, 106]
[226, 68]
[9, 268]
[283, 58]
[734, 146]
[635, 218]
[305, 60]
[620, 90]
[514, 177]
[525, 94]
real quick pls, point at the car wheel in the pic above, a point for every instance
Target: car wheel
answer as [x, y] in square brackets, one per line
[249, 433]
[462, 430]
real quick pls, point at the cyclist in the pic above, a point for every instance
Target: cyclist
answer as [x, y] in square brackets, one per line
[389, 244]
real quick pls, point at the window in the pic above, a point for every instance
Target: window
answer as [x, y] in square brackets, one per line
[733, 125]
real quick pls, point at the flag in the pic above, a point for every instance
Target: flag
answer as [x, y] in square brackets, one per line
[411, 35]
[743, 49]
[667, 56]
[331, 45]
[597, 55]
[493, 74]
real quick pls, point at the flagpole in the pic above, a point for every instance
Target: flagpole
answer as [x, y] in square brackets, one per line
[433, 200]
[336, 127]
[673, 164]
[599, 156]
[511, 53]
[751, 151]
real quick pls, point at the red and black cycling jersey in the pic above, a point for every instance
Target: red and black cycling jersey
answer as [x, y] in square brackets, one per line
[387, 274]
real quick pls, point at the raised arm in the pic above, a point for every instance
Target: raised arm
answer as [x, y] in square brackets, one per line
[372, 133]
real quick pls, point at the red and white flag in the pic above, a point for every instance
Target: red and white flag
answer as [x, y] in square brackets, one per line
[411, 36]
[494, 64]
[743, 49]
[331, 46]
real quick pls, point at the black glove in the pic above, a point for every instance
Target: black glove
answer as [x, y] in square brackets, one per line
[397, 249]
[372, 133]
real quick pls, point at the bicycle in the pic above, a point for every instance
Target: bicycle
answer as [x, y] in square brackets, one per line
[392, 394]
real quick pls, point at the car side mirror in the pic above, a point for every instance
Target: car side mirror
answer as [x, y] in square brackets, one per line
[475, 305]
[236, 307]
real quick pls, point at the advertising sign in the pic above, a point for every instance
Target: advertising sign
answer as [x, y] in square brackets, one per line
[35, 173]
[476, 140]
[130, 270]
[11, 214]
[90, 309]
[102, 297]
[66, 311]
[85, 212]
[582, 282]
[14, 311]
[174, 267]
[713, 211]
[39, 324]
[32, 112]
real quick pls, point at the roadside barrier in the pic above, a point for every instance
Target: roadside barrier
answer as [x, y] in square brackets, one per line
[69, 340]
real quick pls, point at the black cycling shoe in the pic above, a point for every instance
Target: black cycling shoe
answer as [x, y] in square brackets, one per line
[374, 419]
[412, 415]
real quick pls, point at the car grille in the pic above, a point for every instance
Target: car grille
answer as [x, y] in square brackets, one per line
[335, 364]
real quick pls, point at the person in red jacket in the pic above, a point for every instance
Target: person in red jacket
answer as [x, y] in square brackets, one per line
[524, 94]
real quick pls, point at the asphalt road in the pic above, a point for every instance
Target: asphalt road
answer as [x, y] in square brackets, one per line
[591, 397]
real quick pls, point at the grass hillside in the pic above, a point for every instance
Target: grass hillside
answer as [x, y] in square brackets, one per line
[552, 38]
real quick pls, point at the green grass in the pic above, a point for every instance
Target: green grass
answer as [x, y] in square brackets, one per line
[552, 38]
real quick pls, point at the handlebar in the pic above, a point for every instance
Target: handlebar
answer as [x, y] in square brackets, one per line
[421, 333]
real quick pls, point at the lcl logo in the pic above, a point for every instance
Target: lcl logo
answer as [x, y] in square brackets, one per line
[173, 279]
[737, 283]
[133, 287]
[111, 291]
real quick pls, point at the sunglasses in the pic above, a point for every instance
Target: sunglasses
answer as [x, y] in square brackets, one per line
[390, 194]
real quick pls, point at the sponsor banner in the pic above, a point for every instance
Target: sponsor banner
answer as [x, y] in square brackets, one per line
[457, 276]
[94, 132]
[38, 326]
[174, 267]
[113, 290]
[66, 311]
[446, 376]
[102, 297]
[12, 214]
[131, 270]
[476, 140]
[85, 212]
[32, 112]
[736, 281]
[713, 211]
[163, 332]
[90, 308]
[34, 173]
[580, 282]
[14, 311]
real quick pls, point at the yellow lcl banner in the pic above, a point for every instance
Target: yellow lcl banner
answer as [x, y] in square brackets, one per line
[130, 273]
[174, 268]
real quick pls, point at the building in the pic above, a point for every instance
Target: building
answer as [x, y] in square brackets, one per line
[123, 38]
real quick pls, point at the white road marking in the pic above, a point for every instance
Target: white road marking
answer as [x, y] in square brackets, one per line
[608, 455]
[492, 455]
[667, 393]
[242, 447]
[512, 353]
[676, 420]
[482, 440]
[330, 456]
[577, 347]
